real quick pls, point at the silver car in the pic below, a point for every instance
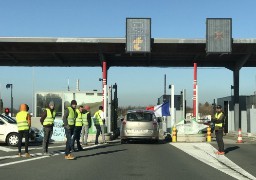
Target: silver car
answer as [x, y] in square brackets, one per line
[139, 124]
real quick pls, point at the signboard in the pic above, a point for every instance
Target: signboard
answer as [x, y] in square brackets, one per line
[138, 35]
[218, 35]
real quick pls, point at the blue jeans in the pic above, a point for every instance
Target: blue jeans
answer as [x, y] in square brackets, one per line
[100, 129]
[85, 131]
[69, 133]
[76, 138]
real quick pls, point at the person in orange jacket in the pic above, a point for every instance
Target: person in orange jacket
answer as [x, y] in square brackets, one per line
[23, 119]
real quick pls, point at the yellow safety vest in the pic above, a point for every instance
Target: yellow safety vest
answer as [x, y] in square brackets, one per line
[22, 122]
[79, 121]
[50, 117]
[71, 116]
[98, 119]
[85, 120]
[217, 116]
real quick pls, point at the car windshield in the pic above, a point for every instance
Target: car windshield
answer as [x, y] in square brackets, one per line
[9, 119]
[139, 116]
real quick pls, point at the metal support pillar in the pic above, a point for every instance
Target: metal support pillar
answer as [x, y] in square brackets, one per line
[194, 91]
[115, 107]
[172, 108]
[237, 115]
[237, 120]
[104, 86]
[109, 124]
[184, 103]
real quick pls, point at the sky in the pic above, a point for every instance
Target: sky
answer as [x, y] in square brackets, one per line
[136, 86]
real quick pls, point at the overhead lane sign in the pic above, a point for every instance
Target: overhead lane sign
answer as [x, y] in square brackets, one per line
[138, 35]
[219, 35]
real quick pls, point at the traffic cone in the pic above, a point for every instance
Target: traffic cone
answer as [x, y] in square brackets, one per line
[239, 138]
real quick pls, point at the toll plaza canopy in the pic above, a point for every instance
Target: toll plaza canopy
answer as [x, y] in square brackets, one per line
[33, 51]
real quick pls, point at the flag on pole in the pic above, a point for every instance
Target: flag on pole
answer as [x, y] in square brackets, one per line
[162, 110]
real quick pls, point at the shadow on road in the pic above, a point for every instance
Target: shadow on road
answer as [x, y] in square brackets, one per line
[101, 153]
[227, 150]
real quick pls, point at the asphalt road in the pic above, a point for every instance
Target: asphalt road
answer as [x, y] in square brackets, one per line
[135, 160]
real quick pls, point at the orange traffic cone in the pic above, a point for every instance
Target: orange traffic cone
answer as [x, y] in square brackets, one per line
[239, 138]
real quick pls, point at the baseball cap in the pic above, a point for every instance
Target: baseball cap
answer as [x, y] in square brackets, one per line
[219, 107]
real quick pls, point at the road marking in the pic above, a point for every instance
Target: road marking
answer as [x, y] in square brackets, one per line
[16, 162]
[37, 156]
[206, 153]
[12, 150]
[6, 149]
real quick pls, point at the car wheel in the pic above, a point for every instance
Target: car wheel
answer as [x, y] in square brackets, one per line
[12, 139]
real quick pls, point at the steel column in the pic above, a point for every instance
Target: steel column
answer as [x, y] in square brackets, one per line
[237, 120]
[194, 90]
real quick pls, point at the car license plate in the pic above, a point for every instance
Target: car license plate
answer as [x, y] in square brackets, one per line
[137, 131]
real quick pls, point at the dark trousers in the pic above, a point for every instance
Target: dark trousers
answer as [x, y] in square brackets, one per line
[69, 133]
[21, 134]
[47, 136]
[219, 139]
[98, 133]
[77, 135]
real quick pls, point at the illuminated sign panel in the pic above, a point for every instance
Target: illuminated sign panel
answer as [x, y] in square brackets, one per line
[138, 35]
[218, 35]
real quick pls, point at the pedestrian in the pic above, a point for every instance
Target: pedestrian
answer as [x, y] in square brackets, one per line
[87, 122]
[69, 124]
[77, 130]
[218, 121]
[23, 119]
[47, 120]
[99, 124]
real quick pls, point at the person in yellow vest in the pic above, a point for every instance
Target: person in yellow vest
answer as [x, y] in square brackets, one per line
[69, 118]
[87, 122]
[23, 119]
[218, 121]
[99, 122]
[77, 130]
[47, 120]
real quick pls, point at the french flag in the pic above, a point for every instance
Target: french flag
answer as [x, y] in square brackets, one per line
[161, 110]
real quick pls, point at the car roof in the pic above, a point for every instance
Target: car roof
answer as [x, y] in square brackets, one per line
[140, 110]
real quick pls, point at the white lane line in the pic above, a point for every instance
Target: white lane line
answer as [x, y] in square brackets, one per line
[6, 149]
[37, 156]
[12, 150]
[205, 152]
[17, 162]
